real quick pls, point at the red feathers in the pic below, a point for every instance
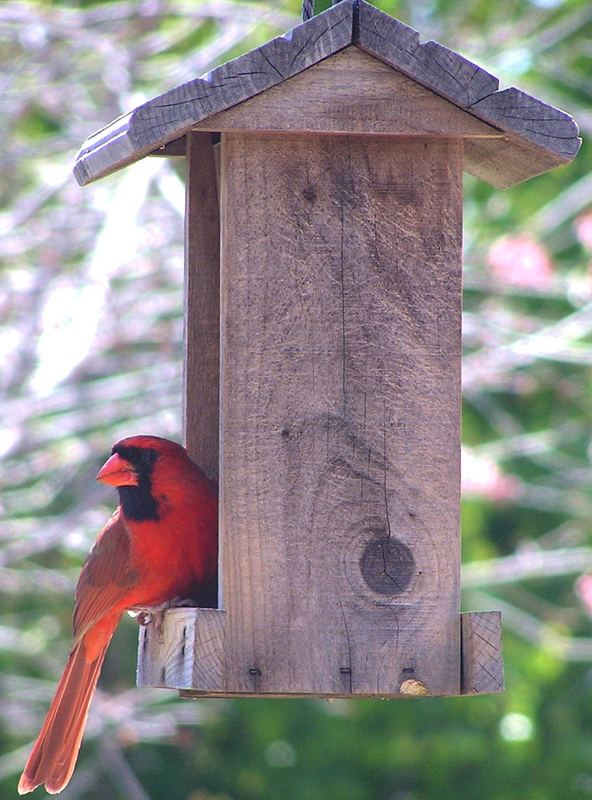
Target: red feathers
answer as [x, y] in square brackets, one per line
[161, 543]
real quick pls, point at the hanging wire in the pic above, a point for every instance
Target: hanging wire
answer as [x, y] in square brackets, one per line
[308, 8]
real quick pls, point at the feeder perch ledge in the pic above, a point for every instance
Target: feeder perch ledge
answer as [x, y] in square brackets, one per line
[323, 351]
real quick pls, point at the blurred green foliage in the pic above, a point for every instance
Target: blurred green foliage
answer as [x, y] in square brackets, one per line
[90, 339]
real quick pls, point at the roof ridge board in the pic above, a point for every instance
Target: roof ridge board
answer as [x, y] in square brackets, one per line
[139, 132]
[464, 83]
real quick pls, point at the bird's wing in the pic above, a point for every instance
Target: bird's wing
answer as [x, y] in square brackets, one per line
[107, 578]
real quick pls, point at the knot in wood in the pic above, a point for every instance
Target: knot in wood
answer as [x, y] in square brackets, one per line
[387, 565]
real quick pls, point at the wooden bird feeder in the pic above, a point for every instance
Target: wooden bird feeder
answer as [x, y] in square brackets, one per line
[323, 351]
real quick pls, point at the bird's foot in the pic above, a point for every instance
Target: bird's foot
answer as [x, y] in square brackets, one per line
[154, 615]
[150, 615]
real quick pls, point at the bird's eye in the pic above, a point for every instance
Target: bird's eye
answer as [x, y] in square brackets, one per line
[149, 456]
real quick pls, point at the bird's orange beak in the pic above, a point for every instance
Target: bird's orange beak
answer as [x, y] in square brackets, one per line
[117, 472]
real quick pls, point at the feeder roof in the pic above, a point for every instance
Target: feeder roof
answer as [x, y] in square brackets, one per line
[533, 136]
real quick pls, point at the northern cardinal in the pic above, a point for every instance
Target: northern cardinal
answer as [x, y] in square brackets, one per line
[160, 544]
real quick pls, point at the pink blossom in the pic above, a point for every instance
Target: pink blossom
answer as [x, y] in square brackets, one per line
[583, 226]
[483, 477]
[521, 261]
[583, 587]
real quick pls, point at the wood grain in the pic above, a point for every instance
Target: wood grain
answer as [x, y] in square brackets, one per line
[172, 114]
[351, 92]
[341, 287]
[188, 652]
[202, 305]
[537, 136]
[431, 64]
[482, 663]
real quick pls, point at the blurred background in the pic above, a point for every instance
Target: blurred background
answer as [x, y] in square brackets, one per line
[91, 285]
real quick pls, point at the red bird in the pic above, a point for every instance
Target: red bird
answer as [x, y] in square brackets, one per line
[161, 543]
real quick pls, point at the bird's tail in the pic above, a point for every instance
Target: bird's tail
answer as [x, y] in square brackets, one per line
[54, 754]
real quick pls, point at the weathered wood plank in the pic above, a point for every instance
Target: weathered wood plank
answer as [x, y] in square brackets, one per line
[202, 305]
[209, 663]
[534, 120]
[195, 694]
[539, 137]
[507, 161]
[187, 653]
[340, 413]
[173, 113]
[482, 662]
[429, 63]
[167, 656]
[351, 92]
